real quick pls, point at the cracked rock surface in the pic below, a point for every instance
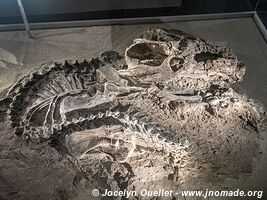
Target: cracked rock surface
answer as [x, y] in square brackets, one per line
[162, 116]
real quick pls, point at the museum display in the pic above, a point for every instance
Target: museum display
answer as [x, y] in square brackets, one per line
[163, 114]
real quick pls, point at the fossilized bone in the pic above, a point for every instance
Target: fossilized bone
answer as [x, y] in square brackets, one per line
[61, 99]
[132, 121]
[76, 102]
[171, 57]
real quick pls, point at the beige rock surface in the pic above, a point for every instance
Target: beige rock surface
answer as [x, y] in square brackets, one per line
[224, 154]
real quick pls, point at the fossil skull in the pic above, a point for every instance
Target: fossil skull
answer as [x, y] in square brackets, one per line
[174, 58]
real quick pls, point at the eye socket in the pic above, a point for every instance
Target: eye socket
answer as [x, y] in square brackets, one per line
[151, 54]
[176, 64]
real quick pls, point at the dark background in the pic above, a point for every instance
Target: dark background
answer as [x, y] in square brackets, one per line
[68, 10]
[262, 11]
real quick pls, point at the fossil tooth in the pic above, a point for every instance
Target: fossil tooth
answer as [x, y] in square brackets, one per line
[100, 115]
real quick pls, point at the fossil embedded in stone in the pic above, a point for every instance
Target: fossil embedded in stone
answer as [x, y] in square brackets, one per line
[174, 58]
[103, 105]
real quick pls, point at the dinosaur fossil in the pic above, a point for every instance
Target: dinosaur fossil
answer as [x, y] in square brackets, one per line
[61, 99]
[81, 106]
